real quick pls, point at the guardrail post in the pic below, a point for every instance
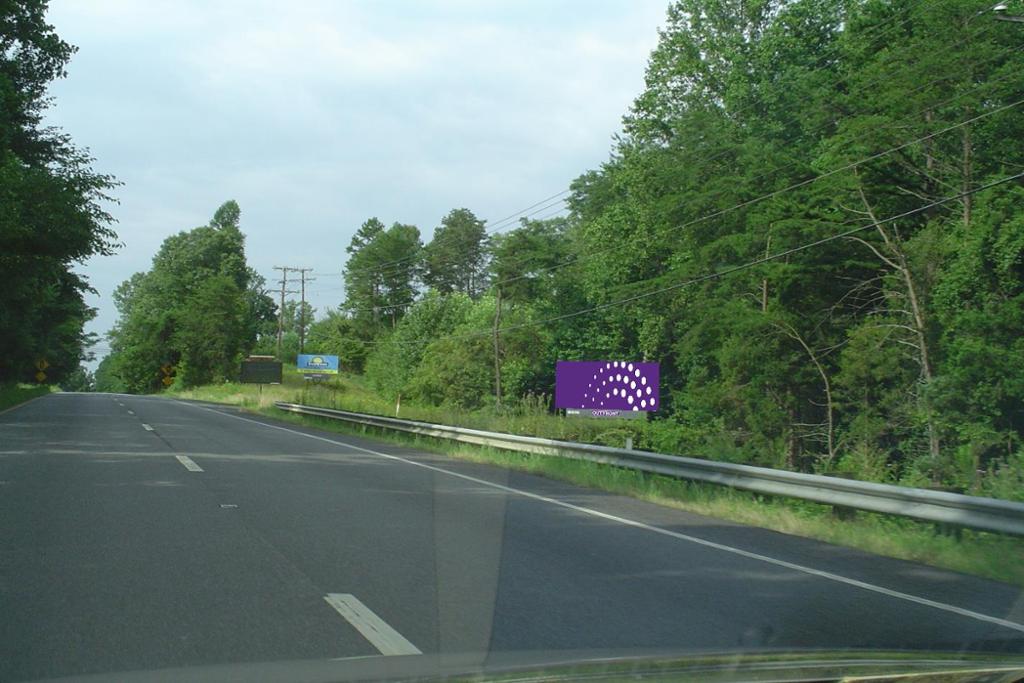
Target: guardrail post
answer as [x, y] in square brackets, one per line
[842, 512]
[943, 528]
[629, 443]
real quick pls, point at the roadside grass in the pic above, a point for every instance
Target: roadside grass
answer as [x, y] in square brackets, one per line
[13, 394]
[982, 554]
[348, 392]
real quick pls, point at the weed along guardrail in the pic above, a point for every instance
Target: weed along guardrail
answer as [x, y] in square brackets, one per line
[948, 509]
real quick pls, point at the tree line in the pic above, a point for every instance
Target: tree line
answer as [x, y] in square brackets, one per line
[52, 215]
[895, 352]
[812, 219]
[192, 316]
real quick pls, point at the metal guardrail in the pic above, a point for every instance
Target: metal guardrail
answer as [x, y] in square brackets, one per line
[985, 514]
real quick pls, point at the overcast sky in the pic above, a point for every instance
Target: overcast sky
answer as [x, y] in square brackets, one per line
[315, 116]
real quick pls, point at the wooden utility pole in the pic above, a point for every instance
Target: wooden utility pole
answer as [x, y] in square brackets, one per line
[280, 311]
[497, 349]
[302, 307]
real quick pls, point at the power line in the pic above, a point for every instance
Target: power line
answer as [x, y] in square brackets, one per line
[553, 214]
[487, 224]
[383, 271]
[924, 110]
[803, 183]
[714, 275]
[884, 77]
[770, 171]
[519, 213]
[740, 110]
[280, 311]
[775, 193]
[391, 267]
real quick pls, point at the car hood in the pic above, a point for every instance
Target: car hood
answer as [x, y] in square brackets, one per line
[765, 667]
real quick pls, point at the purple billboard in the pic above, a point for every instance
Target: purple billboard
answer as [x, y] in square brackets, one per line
[607, 386]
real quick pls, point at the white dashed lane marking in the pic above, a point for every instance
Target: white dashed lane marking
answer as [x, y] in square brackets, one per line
[189, 464]
[374, 629]
[803, 569]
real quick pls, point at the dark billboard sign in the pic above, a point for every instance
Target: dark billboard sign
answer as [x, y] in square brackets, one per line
[260, 372]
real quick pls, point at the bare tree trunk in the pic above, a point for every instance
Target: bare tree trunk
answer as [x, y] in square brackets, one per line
[827, 385]
[934, 447]
[967, 169]
[791, 443]
[374, 306]
[764, 282]
[929, 157]
[967, 158]
[899, 263]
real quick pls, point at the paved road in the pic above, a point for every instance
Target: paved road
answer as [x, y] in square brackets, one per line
[140, 533]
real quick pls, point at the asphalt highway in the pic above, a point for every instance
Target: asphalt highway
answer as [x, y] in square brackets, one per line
[144, 534]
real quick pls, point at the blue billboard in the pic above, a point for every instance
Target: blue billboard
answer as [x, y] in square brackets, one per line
[317, 364]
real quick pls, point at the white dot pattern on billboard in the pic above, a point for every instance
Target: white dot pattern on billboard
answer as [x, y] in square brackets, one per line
[607, 385]
[637, 376]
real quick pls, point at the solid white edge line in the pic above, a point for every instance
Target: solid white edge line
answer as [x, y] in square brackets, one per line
[147, 427]
[658, 530]
[24, 403]
[386, 639]
[189, 463]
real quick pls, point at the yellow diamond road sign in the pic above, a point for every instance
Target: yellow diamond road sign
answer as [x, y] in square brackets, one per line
[40, 376]
[41, 365]
[168, 381]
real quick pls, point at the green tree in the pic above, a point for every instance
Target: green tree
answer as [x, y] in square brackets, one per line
[80, 380]
[892, 354]
[382, 272]
[106, 377]
[262, 313]
[525, 262]
[400, 248]
[455, 260]
[745, 104]
[979, 308]
[51, 215]
[362, 277]
[210, 334]
[196, 309]
[392, 361]
[339, 334]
